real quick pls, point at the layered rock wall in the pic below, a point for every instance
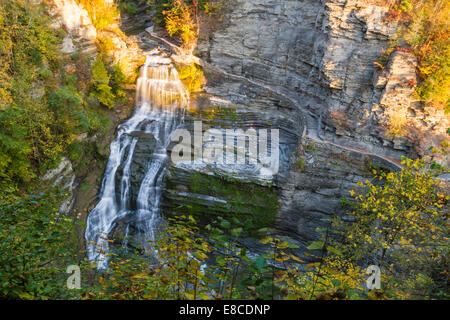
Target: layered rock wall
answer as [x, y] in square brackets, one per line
[321, 54]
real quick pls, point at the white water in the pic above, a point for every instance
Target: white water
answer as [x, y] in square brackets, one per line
[160, 99]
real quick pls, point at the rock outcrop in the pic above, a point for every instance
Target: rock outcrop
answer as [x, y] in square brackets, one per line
[82, 35]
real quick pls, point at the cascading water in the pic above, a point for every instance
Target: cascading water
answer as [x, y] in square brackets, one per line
[160, 99]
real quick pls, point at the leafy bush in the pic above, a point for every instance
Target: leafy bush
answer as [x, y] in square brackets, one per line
[105, 45]
[179, 21]
[192, 76]
[100, 81]
[300, 163]
[401, 226]
[34, 246]
[185, 18]
[75, 151]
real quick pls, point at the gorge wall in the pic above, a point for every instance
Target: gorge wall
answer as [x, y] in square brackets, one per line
[321, 54]
[307, 68]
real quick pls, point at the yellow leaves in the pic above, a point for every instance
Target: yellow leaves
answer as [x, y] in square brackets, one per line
[296, 258]
[103, 13]
[192, 76]
[266, 240]
[140, 276]
[118, 296]
[404, 241]
[379, 65]
[282, 258]
[26, 296]
[201, 256]
[179, 21]
[188, 295]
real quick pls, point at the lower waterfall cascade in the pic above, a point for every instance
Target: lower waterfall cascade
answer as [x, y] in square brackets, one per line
[160, 101]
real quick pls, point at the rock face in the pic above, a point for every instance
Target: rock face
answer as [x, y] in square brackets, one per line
[83, 35]
[323, 52]
[75, 19]
[64, 177]
[319, 57]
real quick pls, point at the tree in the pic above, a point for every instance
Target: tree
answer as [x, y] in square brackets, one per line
[401, 225]
[100, 80]
[179, 21]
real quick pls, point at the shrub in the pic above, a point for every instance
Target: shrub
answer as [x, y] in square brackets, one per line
[75, 151]
[179, 21]
[192, 76]
[401, 226]
[185, 18]
[34, 245]
[100, 81]
[105, 45]
[300, 163]
[396, 124]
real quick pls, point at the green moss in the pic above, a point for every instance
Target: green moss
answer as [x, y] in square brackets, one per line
[85, 186]
[310, 147]
[250, 204]
[300, 163]
[225, 117]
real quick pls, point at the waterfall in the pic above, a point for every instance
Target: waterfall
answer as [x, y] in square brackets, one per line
[160, 99]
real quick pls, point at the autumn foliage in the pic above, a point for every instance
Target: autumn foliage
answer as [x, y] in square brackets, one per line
[424, 30]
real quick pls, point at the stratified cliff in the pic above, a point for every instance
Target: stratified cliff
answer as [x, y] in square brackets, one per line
[309, 65]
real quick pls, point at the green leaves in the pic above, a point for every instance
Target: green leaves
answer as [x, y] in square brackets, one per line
[35, 246]
[225, 224]
[316, 245]
[405, 212]
[236, 232]
[260, 263]
[100, 80]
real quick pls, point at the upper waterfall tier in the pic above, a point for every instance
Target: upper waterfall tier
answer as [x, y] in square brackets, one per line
[159, 84]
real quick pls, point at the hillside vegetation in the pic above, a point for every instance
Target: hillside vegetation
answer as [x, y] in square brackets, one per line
[47, 100]
[425, 31]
